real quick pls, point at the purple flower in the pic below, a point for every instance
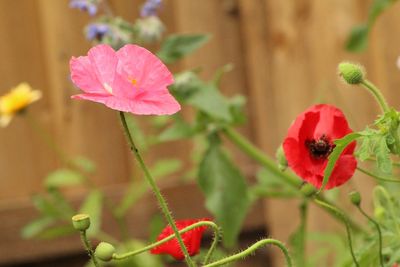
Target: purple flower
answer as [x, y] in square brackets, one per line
[150, 8]
[97, 31]
[89, 6]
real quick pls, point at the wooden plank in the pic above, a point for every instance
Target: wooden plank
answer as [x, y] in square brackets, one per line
[15, 214]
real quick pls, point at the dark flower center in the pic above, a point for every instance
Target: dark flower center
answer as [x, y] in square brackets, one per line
[320, 148]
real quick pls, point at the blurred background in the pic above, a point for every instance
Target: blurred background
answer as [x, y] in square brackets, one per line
[284, 53]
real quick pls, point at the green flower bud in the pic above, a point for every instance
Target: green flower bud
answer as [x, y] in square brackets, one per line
[379, 213]
[351, 73]
[104, 251]
[355, 198]
[280, 156]
[308, 190]
[81, 222]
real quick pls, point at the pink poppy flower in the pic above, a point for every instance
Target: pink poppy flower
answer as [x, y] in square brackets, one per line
[131, 79]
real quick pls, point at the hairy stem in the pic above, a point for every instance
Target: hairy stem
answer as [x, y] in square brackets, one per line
[170, 237]
[377, 94]
[377, 177]
[89, 248]
[161, 200]
[258, 155]
[378, 228]
[346, 223]
[250, 250]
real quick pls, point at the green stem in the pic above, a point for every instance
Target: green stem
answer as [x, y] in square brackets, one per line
[346, 223]
[377, 94]
[259, 156]
[168, 238]
[89, 248]
[251, 250]
[216, 238]
[377, 177]
[154, 187]
[378, 228]
[301, 250]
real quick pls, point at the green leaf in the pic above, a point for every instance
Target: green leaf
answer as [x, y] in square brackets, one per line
[382, 154]
[157, 224]
[64, 177]
[45, 206]
[84, 164]
[177, 46]
[364, 152]
[35, 227]
[93, 206]
[227, 197]
[358, 39]
[179, 130]
[236, 105]
[63, 206]
[165, 167]
[341, 144]
[209, 100]
[56, 232]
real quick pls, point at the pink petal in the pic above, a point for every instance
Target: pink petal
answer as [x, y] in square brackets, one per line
[104, 63]
[159, 102]
[83, 75]
[138, 63]
[164, 105]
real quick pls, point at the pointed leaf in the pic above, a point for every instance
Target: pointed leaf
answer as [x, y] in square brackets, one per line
[227, 197]
[341, 144]
[64, 177]
[209, 100]
[93, 206]
[35, 227]
[177, 46]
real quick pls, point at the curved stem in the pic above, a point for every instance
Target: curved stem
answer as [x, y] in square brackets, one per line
[346, 223]
[377, 94]
[251, 250]
[168, 238]
[258, 155]
[377, 177]
[154, 187]
[89, 248]
[217, 237]
[378, 228]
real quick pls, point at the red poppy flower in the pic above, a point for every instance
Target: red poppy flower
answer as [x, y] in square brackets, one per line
[191, 239]
[310, 141]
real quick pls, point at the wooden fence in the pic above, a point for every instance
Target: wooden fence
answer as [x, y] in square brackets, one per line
[285, 55]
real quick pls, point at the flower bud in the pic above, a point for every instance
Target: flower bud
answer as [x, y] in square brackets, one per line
[104, 251]
[150, 29]
[280, 156]
[379, 213]
[355, 198]
[351, 73]
[81, 222]
[308, 190]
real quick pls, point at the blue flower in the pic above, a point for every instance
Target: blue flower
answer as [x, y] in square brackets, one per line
[150, 8]
[97, 31]
[89, 6]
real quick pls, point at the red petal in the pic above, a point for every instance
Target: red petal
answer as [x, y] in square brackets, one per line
[191, 239]
[316, 121]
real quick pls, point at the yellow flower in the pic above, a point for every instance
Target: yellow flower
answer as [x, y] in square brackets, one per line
[15, 101]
